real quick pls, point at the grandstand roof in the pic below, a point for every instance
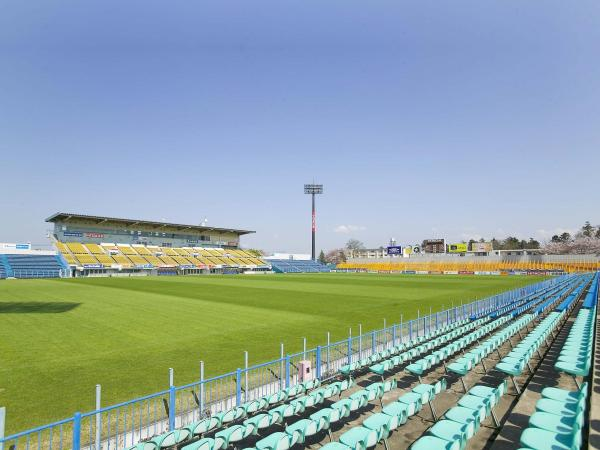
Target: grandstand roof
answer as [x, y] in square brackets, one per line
[65, 217]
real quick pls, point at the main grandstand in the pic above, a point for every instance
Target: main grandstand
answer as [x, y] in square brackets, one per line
[97, 245]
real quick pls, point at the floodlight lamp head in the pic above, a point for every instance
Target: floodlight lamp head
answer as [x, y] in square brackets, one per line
[313, 188]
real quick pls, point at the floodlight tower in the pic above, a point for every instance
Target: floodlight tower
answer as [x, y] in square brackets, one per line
[313, 189]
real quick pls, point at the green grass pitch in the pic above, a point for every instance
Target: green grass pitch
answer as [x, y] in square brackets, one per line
[60, 338]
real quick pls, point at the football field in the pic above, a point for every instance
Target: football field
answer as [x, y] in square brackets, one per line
[60, 338]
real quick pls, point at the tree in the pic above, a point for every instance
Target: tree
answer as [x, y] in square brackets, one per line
[565, 237]
[322, 259]
[354, 244]
[511, 243]
[555, 238]
[470, 245]
[533, 244]
[598, 232]
[335, 256]
[587, 230]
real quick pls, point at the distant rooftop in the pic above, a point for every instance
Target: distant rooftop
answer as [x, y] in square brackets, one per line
[66, 217]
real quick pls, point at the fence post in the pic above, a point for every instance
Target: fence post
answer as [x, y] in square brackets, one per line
[304, 348]
[282, 369]
[98, 415]
[373, 343]
[360, 341]
[77, 431]
[418, 320]
[401, 329]
[287, 371]
[171, 401]
[385, 333]
[318, 361]
[245, 376]
[349, 349]
[430, 314]
[328, 348]
[393, 335]
[238, 386]
[410, 322]
[2, 424]
[201, 388]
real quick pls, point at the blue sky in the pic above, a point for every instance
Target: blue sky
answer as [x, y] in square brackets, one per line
[422, 119]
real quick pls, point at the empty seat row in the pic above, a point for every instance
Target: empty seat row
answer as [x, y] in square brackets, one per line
[463, 365]
[255, 414]
[378, 427]
[558, 421]
[575, 356]
[296, 432]
[461, 422]
[440, 356]
[401, 353]
[514, 363]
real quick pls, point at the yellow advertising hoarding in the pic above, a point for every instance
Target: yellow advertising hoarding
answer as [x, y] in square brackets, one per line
[457, 248]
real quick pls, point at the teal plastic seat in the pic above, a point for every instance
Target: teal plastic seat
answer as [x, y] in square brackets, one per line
[262, 421]
[382, 423]
[465, 416]
[282, 411]
[413, 402]
[399, 410]
[202, 444]
[230, 415]
[145, 445]
[232, 434]
[277, 441]
[559, 408]
[480, 404]
[359, 438]
[251, 407]
[202, 426]
[335, 446]
[556, 424]
[451, 431]
[304, 428]
[434, 443]
[563, 395]
[343, 406]
[277, 397]
[538, 439]
[171, 438]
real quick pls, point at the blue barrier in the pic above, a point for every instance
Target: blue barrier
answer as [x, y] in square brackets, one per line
[124, 424]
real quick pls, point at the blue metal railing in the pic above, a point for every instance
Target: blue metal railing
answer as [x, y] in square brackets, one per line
[124, 424]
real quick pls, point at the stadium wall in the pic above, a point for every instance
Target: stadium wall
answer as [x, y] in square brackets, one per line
[485, 265]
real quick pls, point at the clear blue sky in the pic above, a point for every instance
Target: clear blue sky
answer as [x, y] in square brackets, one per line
[422, 119]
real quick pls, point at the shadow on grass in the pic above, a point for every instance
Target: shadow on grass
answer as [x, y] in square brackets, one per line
[36, 307]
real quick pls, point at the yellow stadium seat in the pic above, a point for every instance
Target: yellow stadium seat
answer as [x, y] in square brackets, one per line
[154, 261]
[126, 249]
[105, 260]
[86, 259]
[77, 248]
[141, 250]
[138, 260]
[94, 249]
[167, 260]
[122, 260]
